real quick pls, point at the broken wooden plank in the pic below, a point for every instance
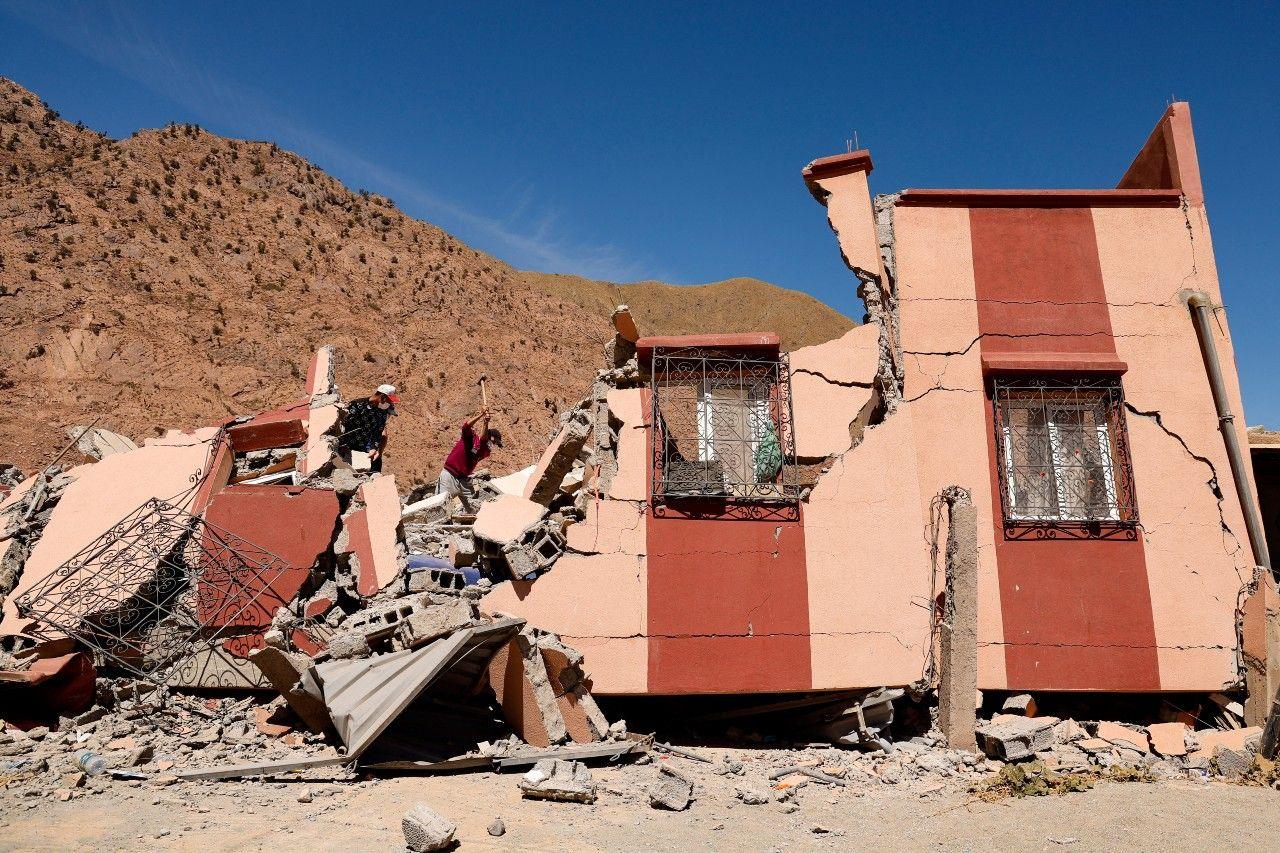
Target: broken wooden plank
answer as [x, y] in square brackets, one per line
[811, 772]
[465, 762]
[683, 753]
[573, 753]
[262, 768]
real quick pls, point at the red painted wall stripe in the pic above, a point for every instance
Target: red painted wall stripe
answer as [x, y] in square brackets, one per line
[728, 604]
[1076, 613]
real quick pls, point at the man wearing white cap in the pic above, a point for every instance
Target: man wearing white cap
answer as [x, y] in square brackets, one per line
[365, 426]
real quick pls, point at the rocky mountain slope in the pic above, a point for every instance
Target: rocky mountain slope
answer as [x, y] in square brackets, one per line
[177, 278]
[745, 304]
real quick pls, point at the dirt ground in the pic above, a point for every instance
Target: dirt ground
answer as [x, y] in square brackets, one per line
[366, 815]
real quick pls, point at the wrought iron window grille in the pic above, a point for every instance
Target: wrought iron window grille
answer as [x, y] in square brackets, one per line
[159, 588]
[723, 432]
[1063, 457]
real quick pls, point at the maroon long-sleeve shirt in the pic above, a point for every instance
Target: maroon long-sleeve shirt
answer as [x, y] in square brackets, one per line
[467, 453]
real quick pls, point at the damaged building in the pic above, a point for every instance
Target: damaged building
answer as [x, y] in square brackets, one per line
[1056, 362]
[1021, 474]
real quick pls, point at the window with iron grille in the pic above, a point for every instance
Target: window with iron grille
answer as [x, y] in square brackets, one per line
[722, 425]
[1064, 456]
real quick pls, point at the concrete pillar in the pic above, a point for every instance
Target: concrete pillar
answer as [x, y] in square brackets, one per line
[958, 658]
[1260, 648]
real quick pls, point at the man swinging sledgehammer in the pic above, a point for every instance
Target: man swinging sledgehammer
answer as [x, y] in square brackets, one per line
[468, 452]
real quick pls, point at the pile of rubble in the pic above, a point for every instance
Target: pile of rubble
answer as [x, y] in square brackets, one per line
[260, 555]
[1165, 750]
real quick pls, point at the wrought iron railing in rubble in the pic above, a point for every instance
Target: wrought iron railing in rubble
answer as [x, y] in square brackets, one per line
[722, 427]
[1063, 458]
[158, 590]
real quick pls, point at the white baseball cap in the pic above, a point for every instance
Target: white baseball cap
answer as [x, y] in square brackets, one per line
[389, 391]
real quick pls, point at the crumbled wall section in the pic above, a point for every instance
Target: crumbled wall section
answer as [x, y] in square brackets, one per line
[173, 467]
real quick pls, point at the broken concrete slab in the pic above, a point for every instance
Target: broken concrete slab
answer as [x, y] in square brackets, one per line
[520, 682]
[284, 671]
[102, 493]
[557, 460]
[317, 453]
[583, 719]
[671, 791]
[562, 781]
[507, 519]
[1011, 738]
[370, 536]
[294, 523]
[426, 830]
[515, 483]
[1124, 736]
[625, 325]
[320, 381]
[99, 443]
[282, 427]
[1022, 703]
[1168, 739]
[1237, 739]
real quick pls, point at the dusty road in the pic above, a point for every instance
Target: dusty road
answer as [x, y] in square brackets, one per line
[344, 816]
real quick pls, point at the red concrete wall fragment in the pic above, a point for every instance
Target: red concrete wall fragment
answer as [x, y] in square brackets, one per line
[294, 523]
[281, 427]
[50, 688]
[575, 717]
[514, 693]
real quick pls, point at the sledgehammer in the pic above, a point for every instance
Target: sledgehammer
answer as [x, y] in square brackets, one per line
[484, 397]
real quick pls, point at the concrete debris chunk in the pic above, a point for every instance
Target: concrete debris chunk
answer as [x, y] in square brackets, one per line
[671, 791]
[536, 552]
[1011, 738]
[751, 796]
[507, 519]
[1168, 739]
[1232, 764]
[1124, 736]
[98, 443]
[1022, 703]
[426, 829]
[439, 619]
[558, 459]
[555, 779]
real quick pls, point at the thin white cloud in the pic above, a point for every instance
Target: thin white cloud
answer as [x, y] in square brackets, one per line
[111, 34]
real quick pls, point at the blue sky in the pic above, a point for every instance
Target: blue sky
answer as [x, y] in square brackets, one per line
[629, 141]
